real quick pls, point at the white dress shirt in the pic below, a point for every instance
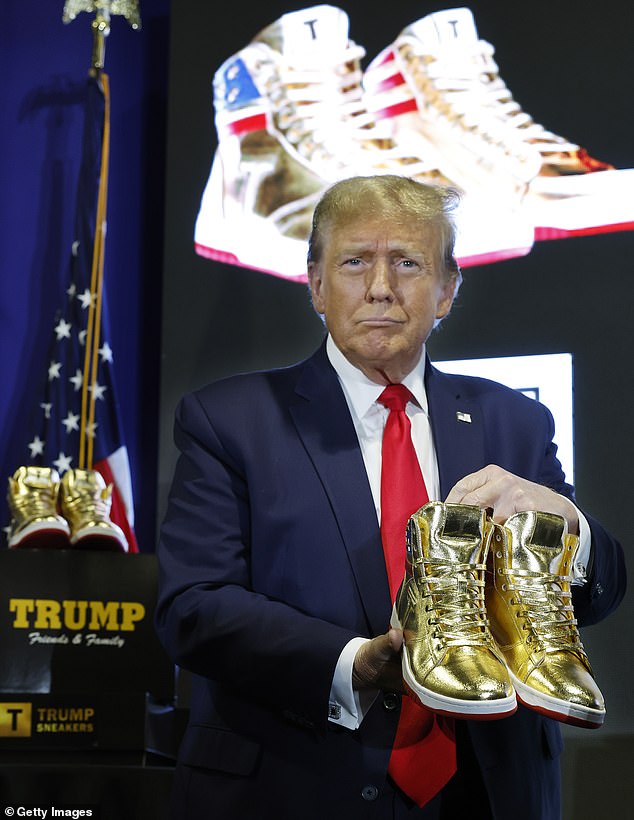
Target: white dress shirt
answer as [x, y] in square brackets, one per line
[348, 706]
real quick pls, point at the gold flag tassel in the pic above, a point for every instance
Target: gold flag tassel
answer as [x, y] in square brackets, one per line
[93, 329]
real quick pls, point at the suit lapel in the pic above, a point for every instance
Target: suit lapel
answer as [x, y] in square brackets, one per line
[457, 426]
[323, 422]
[322, 419]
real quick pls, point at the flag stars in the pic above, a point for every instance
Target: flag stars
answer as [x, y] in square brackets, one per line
[71, 422]
[91, 429]
[36, 447]
[53, 370]
[62, 330]
[82, 337]
[46, 407]
[86, 298]
[98, 390]
[77, 380]
[105, 351]
[62, 463]
[71, 290]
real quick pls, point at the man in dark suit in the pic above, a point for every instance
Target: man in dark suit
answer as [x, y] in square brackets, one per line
[273, 587]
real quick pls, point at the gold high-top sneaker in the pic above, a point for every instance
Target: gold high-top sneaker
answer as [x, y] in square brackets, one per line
[530, 608]
[35, 522]
[85, 501]
[450, 660]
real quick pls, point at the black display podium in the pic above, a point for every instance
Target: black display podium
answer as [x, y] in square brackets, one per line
[88, 713]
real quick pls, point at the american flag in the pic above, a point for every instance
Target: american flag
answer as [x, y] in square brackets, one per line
[76, 423]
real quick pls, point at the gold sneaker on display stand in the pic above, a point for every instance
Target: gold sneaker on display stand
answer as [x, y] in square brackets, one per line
[450, 660]
[530, 608]
[85, 501]
[35, 521]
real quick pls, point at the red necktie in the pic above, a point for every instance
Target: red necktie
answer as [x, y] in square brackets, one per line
[424, 753]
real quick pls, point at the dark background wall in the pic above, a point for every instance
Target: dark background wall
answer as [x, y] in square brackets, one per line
[180, 321]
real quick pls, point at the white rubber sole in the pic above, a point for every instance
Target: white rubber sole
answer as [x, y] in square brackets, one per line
[45, 534]
[455, 707]
[561, 710]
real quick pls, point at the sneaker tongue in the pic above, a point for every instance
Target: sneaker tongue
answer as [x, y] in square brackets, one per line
[445, 29]
[40, 478]
[89, 482]
[537, 542]
[459, 536]
[309, 38]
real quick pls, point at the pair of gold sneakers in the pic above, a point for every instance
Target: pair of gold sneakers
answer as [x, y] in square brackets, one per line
[487, 617]
[52, 513]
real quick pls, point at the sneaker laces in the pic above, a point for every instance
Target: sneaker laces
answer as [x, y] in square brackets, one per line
[34, 502]
[323, 115]
[470, 84]
[457, 592]
[545, 603]
[92, 505]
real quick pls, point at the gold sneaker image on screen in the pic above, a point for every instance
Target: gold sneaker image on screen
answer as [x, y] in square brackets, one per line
[438, 80]
[450, 660]
[291, 119]
[35, 521]
[85, 502]
[532, 619]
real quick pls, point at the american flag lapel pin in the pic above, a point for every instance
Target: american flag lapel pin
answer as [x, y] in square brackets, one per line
[466, 417]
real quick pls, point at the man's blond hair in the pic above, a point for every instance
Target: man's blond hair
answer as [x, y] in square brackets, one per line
[393, 197]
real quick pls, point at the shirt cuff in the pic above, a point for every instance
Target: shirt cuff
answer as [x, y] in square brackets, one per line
[582, 558]
[346, 706]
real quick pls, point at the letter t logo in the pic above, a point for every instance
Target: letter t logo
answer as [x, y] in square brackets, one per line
[15, 719]
[311, 26]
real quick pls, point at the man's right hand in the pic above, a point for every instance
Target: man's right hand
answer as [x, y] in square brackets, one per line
[377, 664]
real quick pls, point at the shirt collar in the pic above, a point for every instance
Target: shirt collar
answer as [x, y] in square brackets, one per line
[363, 393]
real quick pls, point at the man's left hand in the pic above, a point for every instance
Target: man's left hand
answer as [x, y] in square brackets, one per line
[506, 494]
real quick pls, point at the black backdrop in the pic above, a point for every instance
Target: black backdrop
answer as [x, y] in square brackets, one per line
[571, 67]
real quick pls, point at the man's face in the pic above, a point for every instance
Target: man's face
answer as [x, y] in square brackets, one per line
[380, 290]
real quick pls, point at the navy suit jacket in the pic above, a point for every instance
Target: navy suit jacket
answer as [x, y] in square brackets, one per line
[271, 561]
